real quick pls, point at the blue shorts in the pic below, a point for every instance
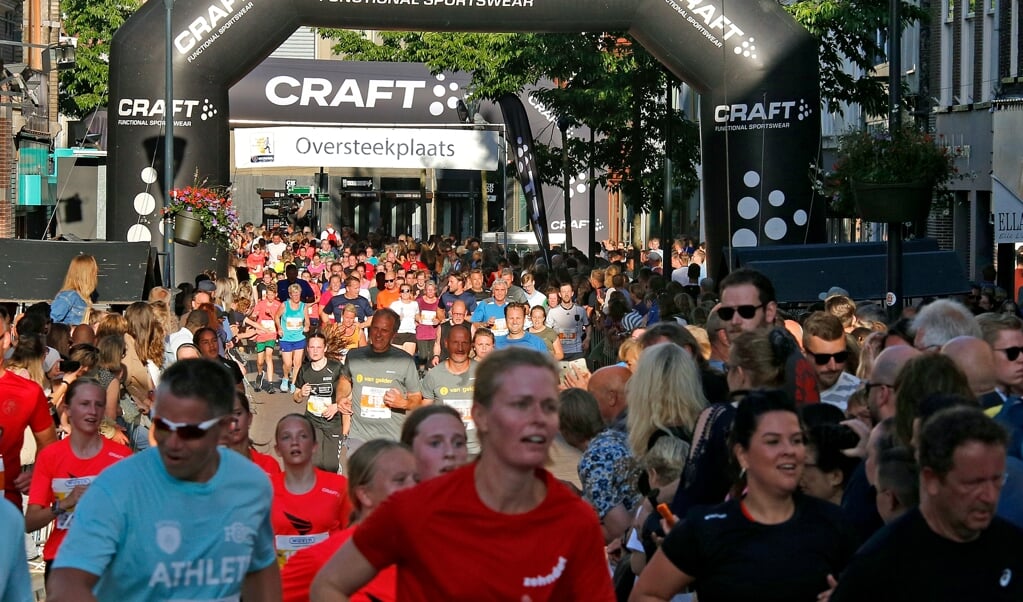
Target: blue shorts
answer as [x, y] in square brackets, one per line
[292, 345]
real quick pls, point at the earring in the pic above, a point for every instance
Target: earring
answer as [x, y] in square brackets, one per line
[742, 473]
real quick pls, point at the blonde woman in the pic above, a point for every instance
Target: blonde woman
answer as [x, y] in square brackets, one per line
[664, 397]
[144, 361]
[72, 304]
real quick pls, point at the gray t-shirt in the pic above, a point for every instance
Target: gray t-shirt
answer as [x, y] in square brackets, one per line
[455, 390]
[570, 324]
[372, 375]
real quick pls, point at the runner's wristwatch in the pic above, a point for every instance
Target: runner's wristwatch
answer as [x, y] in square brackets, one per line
[56, 509]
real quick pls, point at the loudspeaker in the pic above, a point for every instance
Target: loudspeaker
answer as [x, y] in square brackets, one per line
[33, 270]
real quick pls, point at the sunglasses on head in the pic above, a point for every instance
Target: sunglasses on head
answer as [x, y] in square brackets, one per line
[822, 359]
[746, 312]
[1011, 353]
[188, 432]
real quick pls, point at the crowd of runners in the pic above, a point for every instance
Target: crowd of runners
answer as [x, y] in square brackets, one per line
[470, 423]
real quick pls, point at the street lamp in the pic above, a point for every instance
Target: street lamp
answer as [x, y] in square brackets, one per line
[563, 124]
[168, 147]
[894, 276]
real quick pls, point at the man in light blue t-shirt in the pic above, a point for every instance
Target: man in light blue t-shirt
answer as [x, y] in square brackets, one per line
[186, 520]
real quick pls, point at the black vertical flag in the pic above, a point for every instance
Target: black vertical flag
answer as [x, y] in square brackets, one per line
[525, 169]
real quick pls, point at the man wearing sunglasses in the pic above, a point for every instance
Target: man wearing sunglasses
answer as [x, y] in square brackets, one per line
[187, 520]
[747, 301]
[390, 292]
[825, 348]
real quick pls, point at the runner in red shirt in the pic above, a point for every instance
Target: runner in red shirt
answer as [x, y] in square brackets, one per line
[551, 547]
[376, 470]
[64, 469]
[309, 504]
[22, 404]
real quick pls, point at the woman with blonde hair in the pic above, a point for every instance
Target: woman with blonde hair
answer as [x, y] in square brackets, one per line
[664, 396]
[144, 361]
[72, 304]
[111, 324]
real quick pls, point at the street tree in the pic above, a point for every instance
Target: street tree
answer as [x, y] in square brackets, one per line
[84, 87]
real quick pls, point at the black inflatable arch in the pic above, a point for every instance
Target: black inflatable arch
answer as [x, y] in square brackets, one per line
[756, 68]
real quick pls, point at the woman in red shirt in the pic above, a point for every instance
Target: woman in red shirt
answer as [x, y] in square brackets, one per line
[551, 546]
[309, 504]
[64, 470]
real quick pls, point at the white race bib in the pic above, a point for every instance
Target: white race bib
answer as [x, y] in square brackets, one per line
[371, 404]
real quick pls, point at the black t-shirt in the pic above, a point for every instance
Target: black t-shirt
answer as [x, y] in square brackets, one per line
[322, 384]
[734, 559]
[907, 561]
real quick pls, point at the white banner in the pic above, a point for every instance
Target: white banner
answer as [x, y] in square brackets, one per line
[403, 148]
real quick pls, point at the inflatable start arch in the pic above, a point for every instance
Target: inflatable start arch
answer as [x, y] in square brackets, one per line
[755, 66]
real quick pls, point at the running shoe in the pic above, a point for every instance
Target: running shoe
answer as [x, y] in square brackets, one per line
[291, 389]
[285, 385]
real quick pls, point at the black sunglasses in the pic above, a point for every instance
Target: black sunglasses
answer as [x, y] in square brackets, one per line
[391, 280]
[746, 312]
[188, 432]
[1011, 353]
[822, 359]
[867, 386]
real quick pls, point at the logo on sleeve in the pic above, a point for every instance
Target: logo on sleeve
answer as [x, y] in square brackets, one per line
[168, 536]
[239, 533]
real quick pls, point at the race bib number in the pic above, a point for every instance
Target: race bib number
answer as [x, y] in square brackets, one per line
[429, 317]
[500, 327]
[371, 404]
[464, 407]
[287, 545]
[567, 334]
[320, 397]
[294, 323]
[63, 488]
[267, 324]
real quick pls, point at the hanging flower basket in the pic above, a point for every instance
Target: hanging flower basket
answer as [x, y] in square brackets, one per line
[187, 229]
[203, 214]
[893, 203]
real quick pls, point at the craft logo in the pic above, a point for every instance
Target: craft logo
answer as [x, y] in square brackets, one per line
[206, 28]
[761, 115]
[287, 91]
[147, 111]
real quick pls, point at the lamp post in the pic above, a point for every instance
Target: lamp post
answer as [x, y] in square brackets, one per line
[894, 272]
[563, 123]
[168, 147]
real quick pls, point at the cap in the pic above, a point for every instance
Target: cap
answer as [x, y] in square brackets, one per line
[835, 290]
[207, 286]
[655, 254]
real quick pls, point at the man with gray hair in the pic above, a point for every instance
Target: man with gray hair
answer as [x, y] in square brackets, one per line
[941, 321]
[953, 547]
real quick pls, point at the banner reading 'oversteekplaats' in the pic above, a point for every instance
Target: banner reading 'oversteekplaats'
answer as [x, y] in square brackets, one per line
[402, 148]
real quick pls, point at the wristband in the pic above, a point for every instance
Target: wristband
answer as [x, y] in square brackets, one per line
[56, 509]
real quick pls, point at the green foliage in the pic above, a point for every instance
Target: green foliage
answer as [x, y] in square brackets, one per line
[609, 83]
[84, 87]
[846, 31]
[908, 156]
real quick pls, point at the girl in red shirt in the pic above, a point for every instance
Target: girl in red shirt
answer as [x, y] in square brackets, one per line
[237, 436]
[65, 469]
[309, 504]
[377, 469]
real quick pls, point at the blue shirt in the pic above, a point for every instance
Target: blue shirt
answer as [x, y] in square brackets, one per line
[530, 341]
[149, 536]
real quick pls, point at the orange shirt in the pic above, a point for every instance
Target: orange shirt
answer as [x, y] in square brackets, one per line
[298, 574]
[301, 520]
[57, 471]
[268, 463]
[385, 298]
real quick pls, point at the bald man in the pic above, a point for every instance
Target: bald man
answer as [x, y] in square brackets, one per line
[881, 385]
[608, 386]
[859, 500]
[605, 486]
[976, 359]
